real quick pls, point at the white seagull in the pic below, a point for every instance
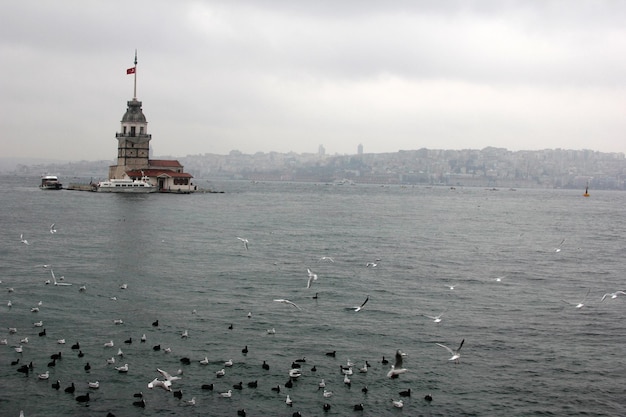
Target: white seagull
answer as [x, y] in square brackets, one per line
[581, 304]
[327, 258]
[227, 394]
[52, 229]
[455, 353]
[312, 277]
[396, 368]
[167, 376]
[612, 294]
[245, 242]
[359, 308]
[436, 319]
[54, 278]
[24, 241]
[397, 403]
[284, 301]
[558, 248]
[122, 369]
[157, 383]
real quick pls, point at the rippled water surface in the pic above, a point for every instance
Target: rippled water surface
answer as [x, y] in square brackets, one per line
[527, 350]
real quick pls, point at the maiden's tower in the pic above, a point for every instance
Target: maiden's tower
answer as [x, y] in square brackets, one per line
[133, 151]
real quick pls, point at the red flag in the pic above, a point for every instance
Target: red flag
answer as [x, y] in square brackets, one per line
[130, 70]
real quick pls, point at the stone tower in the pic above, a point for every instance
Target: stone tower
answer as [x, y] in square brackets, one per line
[133, 142]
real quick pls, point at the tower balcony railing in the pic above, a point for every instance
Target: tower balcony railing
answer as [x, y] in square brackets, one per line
[133, 135]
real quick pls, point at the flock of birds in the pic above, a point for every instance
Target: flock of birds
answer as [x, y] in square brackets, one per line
[167, 382]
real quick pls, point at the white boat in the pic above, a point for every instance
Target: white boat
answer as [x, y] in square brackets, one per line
[50, 182]
[126, 186]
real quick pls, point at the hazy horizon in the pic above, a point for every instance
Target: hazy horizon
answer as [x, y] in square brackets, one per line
[281, 76]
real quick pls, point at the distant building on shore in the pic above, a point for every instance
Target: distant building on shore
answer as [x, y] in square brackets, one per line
[133, 152]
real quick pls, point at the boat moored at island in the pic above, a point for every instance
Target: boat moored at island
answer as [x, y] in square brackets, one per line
[50, 182]
[126, 185]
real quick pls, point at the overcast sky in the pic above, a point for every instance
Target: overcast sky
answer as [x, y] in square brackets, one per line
[286, 75]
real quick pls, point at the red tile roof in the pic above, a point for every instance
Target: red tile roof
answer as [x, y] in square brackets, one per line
[165, 163]
[158, 173]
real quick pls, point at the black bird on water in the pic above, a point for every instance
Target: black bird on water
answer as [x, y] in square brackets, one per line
[83, 398]
[406, 393]
[332, 354]
[207, 387]
[70, 389]
[155, 323]
[76, 346]
[265, 366]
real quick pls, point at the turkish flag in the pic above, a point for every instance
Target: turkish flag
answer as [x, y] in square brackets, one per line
[130, 70]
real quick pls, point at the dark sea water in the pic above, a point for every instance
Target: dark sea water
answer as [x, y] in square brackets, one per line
[526, 351]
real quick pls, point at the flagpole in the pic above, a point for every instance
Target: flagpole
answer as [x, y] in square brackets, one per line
[135, 89]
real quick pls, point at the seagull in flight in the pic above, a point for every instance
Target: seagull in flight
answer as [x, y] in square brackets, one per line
[245, 242]
[396, 368]
[54, 278]
[24, 241]
[359, 308]
[612, 294]
[436, 319]
[284, 301]
[455, 353]
[53, 230]
[312, 277]
[581, 304]
[327, 258]
[558, 248]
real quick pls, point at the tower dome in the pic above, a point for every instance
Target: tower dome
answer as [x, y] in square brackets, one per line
[134, 114]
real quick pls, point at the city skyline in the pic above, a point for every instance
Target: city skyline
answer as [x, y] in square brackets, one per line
[283, 77]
